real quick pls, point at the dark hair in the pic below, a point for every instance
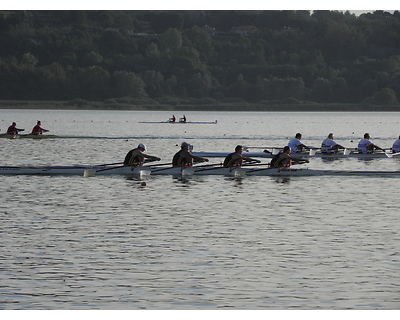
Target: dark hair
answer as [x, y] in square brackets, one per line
[298, 135]
[238, 147]
[286, 148]
[366, 135]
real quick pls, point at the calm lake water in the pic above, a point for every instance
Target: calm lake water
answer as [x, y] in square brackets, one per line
[208, 242]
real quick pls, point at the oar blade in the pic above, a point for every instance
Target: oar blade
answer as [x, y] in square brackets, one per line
[238, 173]
[189, 171]
[89, 173]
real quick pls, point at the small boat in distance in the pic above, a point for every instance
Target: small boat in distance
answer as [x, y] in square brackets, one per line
[29, 136]
[181, 122]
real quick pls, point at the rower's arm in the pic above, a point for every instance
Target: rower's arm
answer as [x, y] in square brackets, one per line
[247, 159]
[199, 159]
[299, 159]
[152, 158]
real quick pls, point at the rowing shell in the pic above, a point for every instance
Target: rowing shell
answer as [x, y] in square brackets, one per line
[338, 155]
[178, 171]
[29, 136]
[187, 122]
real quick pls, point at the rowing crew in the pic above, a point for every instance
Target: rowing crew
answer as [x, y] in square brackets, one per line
[185, 158]
[329, 145]
[36, 129]
[173, 119]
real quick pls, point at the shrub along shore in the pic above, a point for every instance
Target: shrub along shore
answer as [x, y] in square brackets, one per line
[196, 105]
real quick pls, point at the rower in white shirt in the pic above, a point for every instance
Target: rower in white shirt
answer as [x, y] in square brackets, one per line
[296, 145]
[396, 146]
[329, 145]
[366, 146]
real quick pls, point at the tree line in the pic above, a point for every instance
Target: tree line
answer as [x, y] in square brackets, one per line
[260, 57]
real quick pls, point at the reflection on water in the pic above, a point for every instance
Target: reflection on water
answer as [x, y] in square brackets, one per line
[198, 242]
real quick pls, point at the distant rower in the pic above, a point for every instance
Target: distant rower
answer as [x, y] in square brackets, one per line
[38, 128]
[183, 119]
[13, 129]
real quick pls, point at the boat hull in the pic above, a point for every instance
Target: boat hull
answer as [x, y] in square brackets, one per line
[28, 136]
[339, 155]
[181, 122]
[89, 171]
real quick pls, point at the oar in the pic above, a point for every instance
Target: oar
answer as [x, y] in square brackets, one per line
[245, 147]
[254, 164]
[112, 168]
[188, 171]
[207, 169]
[109, 164]
[158, 164]
[208, 165]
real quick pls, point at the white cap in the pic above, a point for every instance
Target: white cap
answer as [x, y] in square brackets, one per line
[141, 146]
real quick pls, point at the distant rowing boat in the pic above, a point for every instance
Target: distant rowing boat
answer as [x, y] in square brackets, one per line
[260, 170]
[182, 122]
[28, 136]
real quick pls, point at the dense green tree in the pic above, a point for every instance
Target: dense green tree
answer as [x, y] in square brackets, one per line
[254, 56]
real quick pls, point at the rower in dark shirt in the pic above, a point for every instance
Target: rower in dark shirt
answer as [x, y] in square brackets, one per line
[38, 129]
[184, 157]
[137, 157]
[13, 129]
[236, 159]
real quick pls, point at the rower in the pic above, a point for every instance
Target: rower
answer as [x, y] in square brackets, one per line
[183, 119]
[329, 145]
[13, 129]
[366, 146]
[236, 159]
[296, 145]
[173, 119]
[184, 158]
[38, 128]
[136, 157]
[396, 146]
[284, 159]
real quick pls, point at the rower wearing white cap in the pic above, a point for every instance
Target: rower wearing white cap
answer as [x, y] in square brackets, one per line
[184, 157]
[137, 157]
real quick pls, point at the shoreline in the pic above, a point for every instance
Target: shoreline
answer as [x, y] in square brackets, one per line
[193, 106]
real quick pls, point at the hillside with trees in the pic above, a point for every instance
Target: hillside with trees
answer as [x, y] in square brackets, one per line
[210, 60]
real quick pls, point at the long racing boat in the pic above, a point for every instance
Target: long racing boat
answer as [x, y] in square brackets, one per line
[28, 136]
[308, 154]
[259, 170]
[181, 122]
